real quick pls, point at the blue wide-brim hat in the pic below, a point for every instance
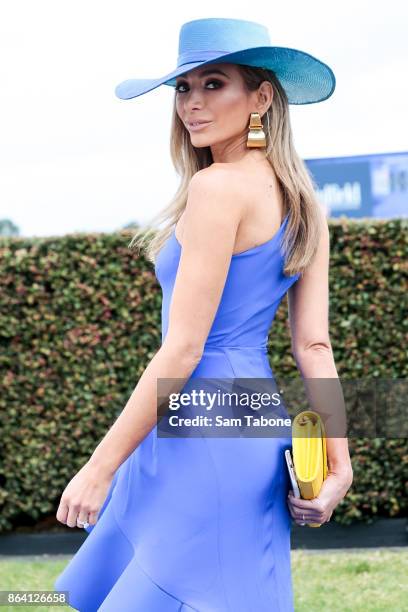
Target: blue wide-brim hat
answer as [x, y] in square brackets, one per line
[304, 78]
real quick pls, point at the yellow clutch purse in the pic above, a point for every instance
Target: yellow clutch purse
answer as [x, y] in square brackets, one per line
[309, 454]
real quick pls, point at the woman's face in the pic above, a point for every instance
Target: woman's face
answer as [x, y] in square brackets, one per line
[215, 93]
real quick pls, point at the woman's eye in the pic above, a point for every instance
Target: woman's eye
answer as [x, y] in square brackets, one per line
[218, 83]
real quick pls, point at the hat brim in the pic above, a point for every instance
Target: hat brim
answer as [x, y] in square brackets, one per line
[305, 79]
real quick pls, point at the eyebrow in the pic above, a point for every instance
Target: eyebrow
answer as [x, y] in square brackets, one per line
[210, 71]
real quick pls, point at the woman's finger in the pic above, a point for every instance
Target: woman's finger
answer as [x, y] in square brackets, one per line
[311, 509]
[62, 512]
[93, 518]
[303, 517]
[82, 518]
[295, 511]
[73, 512]
[303, 504]
[313, 514]
[295, 515]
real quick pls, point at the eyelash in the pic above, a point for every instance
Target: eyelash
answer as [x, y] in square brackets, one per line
[219, 84]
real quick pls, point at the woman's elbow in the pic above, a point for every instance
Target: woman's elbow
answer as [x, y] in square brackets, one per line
[182, 351]
[320, 347]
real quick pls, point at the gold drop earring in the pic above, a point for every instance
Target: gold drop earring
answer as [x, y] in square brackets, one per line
[256, 135]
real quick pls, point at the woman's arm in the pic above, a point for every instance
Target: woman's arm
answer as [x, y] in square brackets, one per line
[211, 219]
[308, 301]
[213, 212]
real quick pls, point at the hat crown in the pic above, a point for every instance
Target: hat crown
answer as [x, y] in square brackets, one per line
[304, 78]
[201, 38]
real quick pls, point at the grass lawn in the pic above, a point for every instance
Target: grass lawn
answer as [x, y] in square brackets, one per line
[336, 581]
[370, 581]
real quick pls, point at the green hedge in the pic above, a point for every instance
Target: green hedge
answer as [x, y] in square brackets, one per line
[80, 320]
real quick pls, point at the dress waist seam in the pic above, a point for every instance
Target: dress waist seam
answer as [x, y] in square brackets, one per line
[260, 348]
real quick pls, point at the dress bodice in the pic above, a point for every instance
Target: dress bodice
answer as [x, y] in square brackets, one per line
[254, 288]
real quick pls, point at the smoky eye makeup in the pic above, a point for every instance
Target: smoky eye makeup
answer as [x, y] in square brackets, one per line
[217, 82]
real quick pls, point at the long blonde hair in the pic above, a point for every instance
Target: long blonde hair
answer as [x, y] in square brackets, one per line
[303, 229]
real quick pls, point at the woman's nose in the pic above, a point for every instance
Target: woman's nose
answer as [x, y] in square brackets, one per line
[194, 98]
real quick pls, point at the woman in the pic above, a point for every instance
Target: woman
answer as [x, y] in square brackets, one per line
[201, 522]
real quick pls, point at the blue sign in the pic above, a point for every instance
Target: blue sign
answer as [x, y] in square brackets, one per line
[362, 185]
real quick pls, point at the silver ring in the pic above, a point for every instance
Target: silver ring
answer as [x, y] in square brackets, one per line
[303, 517]
[84, 525]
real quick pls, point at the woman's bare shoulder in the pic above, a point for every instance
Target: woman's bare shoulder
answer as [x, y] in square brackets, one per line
[217, 171]
[213, 196]
[226, 180]
[220, 182]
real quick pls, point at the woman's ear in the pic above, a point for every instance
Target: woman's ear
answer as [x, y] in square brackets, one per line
[265, 95]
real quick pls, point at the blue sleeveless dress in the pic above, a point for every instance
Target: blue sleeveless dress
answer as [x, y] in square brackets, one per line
[200, 523]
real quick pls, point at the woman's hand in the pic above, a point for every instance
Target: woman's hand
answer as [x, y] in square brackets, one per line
[84, 495]
[320, 509]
